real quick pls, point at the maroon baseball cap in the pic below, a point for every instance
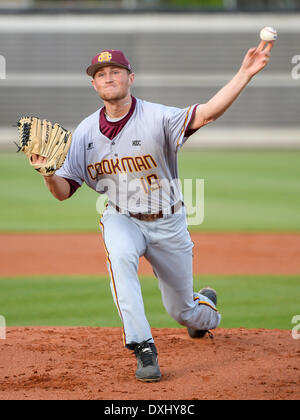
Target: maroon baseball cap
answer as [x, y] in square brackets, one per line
[108, 58]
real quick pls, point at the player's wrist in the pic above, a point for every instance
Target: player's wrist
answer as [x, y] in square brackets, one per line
[243, 76]
[49, 178]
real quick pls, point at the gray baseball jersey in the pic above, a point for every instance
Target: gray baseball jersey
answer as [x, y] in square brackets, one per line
[138, 168]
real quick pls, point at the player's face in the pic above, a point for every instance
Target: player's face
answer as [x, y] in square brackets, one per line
[112, 83]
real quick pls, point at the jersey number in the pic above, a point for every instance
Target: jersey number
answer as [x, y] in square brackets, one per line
[151, 183]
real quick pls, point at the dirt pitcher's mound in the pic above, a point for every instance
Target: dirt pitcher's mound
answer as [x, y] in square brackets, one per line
[90, 363]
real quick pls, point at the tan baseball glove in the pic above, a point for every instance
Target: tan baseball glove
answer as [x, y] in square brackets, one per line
[42, 138]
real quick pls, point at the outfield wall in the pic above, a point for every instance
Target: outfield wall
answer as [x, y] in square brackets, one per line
[178, 60]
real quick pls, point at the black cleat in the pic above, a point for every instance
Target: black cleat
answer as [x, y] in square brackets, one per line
[147, 364]
[212, 295]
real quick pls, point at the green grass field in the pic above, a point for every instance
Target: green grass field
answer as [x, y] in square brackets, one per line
[245, 301]
[244, 191]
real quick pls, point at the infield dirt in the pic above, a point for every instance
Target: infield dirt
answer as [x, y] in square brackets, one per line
[74, 254]
[91, 363]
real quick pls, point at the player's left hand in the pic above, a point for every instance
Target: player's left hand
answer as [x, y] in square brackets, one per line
[45, 144]
[257, 58]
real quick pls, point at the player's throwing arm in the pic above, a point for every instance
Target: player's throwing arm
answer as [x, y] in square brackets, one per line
[254, 61]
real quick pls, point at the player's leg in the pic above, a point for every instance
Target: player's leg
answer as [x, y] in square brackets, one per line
[124, 244]
[171, 257]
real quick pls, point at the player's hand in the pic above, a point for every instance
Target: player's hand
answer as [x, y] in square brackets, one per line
[45, 144]
[256, 59]
[37, 159]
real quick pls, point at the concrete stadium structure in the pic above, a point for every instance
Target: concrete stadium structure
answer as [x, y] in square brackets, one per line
[178, 60]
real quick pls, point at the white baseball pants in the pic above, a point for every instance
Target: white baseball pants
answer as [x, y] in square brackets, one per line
[167, 245]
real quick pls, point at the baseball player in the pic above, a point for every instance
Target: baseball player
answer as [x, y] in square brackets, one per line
[128, 150]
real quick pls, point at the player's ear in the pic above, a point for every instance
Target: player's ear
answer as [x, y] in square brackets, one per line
[131, 78]
[93, 83]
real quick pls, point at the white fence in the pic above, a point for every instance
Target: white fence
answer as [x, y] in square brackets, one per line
[178, 60]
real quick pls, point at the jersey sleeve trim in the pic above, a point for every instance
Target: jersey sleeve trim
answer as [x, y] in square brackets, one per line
[73, 186]
[189, 115]
[188, 132]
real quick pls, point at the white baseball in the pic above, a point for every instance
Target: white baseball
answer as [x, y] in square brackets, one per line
[268, 34]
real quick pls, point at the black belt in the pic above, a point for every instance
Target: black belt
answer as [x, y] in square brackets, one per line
[150, 217]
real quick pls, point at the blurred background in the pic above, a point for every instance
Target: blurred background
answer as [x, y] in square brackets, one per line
[183, 52]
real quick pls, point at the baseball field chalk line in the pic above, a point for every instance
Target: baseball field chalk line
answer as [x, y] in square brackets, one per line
[2, 328]
[296, 329]
[2, 67]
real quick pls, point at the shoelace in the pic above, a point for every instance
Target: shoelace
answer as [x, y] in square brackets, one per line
[210, 334]
[145, 352]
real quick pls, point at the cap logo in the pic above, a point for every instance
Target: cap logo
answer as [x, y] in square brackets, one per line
[104, 56]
